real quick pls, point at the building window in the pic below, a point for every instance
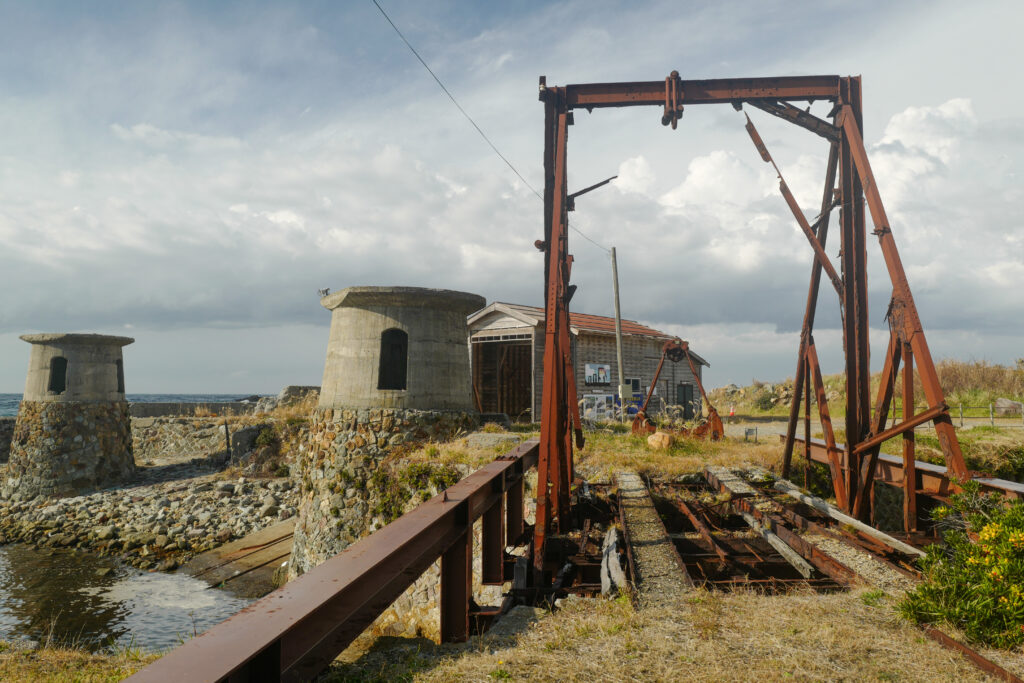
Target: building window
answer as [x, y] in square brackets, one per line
[58, 375]
[394, 357]
[120, 376]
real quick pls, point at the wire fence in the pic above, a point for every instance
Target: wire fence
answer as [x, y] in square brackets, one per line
[1004, 414]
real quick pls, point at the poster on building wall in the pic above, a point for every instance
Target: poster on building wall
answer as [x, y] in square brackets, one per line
[597, 374]
[598, 406]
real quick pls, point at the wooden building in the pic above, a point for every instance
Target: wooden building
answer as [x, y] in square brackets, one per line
[507, 342]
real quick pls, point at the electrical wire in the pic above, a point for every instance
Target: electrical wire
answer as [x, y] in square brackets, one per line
[474, 124]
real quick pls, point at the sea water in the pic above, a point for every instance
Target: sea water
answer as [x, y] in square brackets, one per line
[9, 402]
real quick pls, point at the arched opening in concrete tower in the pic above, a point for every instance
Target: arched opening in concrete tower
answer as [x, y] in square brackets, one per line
[58, 375]
[394, 357]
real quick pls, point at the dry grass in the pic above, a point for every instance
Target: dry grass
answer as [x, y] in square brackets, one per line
[68, 664]
[459, 452]
[708, 636]
[607, 452]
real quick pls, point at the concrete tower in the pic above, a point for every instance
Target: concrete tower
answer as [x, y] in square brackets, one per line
[73, 432]
[398, 347]
[397, 372]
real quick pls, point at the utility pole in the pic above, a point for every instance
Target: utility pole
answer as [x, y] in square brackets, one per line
[618, 337]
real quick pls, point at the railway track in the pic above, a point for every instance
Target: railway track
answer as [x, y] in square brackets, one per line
[745, 530]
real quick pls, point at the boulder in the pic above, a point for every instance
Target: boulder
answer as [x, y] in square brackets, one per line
[1005, 407]
[660, 440]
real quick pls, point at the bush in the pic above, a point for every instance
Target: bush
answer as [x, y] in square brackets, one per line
[764, 402]
[977, 586]
[267, 437]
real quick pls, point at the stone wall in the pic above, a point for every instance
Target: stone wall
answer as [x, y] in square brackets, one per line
[185, 438]
[335, 469]
[66, 449]
[6, 434]
[183, 409]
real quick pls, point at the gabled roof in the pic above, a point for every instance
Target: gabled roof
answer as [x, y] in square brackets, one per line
[534, 315]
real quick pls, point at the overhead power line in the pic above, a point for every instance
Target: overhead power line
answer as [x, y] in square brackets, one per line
[472, 122]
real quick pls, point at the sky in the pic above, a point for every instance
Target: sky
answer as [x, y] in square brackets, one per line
[191, 174]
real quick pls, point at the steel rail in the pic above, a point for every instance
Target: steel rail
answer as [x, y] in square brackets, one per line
[719, 90]
[931, 479]
[295, 632]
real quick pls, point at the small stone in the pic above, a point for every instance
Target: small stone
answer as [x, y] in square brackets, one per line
[103, 571]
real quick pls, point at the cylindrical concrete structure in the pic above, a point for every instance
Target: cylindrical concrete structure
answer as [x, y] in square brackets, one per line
[397, 374]
[73, 432]
[398, 347]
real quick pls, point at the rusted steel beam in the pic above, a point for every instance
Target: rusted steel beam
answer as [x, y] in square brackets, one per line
[824, 563]
[909, 464]
[702, 529]
[809, 309]
[867, 449]
[932, 480]
[722, 90]
[834, 460]
[905, 309]
[901, 428]
[554, 406]
[514, 526]
[819, 250]
[492, 546]
[456, 588]
[979, 660]
[794, 207]
[306, 623]
[799, 117]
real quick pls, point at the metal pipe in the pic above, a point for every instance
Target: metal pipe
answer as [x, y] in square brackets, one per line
[618, 338]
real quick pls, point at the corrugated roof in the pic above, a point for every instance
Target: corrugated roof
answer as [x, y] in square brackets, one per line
[593, 323]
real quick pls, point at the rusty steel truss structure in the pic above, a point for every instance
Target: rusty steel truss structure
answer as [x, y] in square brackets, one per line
[849, 185]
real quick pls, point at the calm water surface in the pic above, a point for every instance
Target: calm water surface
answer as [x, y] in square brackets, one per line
[61, 592]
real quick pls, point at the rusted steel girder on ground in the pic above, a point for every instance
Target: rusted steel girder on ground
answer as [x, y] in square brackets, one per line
[296, 631]
[930, 479]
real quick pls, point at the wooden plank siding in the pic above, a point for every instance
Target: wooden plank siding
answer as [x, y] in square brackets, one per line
[641, 354]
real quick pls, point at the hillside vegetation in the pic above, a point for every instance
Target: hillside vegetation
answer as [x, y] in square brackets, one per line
[972, 384]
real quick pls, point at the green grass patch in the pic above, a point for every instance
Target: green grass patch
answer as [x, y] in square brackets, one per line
[976, 580]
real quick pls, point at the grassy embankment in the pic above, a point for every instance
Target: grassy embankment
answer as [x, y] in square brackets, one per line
[974, 385]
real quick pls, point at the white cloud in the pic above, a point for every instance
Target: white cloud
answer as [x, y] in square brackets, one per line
[231, 184]
[635, 175]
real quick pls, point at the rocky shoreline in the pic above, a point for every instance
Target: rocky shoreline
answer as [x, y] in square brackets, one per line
[162, 518]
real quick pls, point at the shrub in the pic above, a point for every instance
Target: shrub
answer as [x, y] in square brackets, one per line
[764, 401]
[976, 585]
[267, 437]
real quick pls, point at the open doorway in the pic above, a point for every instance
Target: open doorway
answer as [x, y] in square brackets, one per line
[503, 377]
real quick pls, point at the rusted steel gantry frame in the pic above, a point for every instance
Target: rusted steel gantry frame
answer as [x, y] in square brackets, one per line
[853, 475]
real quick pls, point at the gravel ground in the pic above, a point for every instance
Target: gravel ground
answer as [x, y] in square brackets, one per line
[870, 569]
[661, 580]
